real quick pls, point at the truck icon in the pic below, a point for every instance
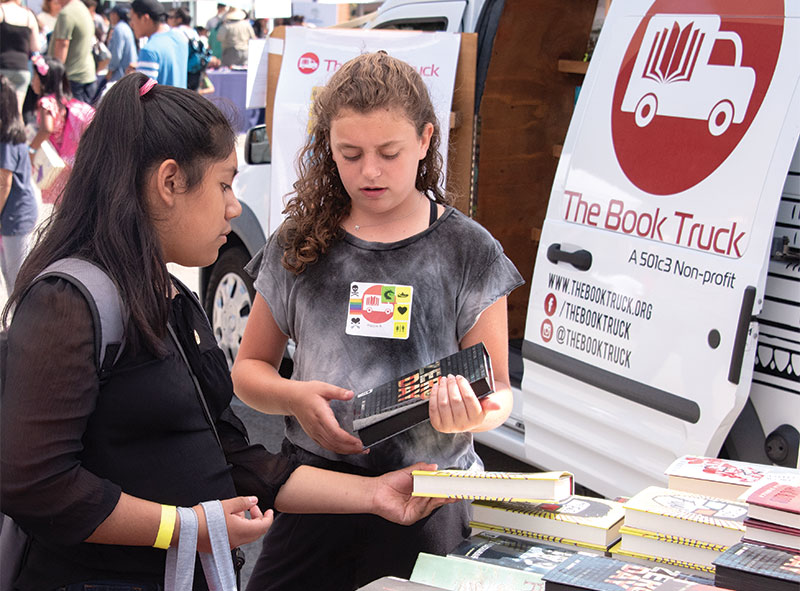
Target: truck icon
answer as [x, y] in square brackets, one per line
[672, 75]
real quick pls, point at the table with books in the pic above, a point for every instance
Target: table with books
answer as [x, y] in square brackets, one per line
[719, 524]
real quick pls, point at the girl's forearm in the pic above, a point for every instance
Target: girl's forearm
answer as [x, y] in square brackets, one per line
[259, 385]
[313, 490]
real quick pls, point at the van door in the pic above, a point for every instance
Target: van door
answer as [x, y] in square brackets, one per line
[640, 335]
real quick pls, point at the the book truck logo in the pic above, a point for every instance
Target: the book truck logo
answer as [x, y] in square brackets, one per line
[308, 63]
[692, 77]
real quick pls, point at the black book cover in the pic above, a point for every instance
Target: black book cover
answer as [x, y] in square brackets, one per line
[398, 405]
[752, 566]
[503, 550]
[599, 573]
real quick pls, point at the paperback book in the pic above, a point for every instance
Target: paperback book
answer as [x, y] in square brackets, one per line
[398, 405]
[511, 552]
[493, 486]
[711, 520]
[771, 534]
[775, 502]
[578, 520]
[727, 479]
[599, 573]
[752, 567]
[461, 574]
[674, 549]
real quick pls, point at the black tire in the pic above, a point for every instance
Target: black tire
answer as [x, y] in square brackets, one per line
[228, 299]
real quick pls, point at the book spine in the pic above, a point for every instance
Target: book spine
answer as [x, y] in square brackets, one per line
[393, 425]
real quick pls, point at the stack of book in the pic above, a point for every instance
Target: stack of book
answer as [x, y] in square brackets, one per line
[752, 567]
[726, 479]
[578, 523]
[600, 573]
[773, 516]
[678, 528]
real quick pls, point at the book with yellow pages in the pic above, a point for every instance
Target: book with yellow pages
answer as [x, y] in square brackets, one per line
[493, 486]
[522, 535]
[584, 520]
[616, 552]
[685, 552]
[691, 516]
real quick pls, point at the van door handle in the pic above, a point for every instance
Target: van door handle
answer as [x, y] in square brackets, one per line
[580, 259]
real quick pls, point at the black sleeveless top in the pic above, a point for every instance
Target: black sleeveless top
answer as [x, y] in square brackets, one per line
[15, 45]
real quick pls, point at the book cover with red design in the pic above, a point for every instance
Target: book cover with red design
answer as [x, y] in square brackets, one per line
[771, 534]
[398, 405]
[599, 573]
[776, 502]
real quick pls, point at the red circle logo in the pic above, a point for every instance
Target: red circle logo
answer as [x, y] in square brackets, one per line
[692, 80]
[546, 330]
[550, 304]
[308, 63]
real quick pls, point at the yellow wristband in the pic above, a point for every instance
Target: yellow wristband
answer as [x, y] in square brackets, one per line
[166, 527]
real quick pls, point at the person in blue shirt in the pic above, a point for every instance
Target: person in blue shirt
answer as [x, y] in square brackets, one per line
[122, 43]
[166, 54]
[18, 206]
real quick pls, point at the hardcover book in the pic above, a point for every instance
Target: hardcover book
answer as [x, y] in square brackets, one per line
[776, 502]
[511, 552]
[700, 575]
[398, 405]
[771, 534]
[716, 477]
[675, 549]
[529, 536]
[585, 520]
[753, 567]
[711, 520]
[599, 573]
[493, 486]
[462, 574]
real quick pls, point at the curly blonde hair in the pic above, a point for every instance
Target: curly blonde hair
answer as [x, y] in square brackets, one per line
[319, 201]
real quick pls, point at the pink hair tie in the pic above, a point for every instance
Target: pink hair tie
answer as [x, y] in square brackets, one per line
[145, 88]
[41, 65]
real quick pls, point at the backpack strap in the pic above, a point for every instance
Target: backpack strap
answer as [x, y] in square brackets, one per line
[105, 305]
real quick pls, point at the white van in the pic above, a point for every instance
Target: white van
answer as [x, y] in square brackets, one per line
[664, 315]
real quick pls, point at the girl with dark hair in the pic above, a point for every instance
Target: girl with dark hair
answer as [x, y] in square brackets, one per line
[60, 117]
[18, 207]
[93, 471]
[373, 275]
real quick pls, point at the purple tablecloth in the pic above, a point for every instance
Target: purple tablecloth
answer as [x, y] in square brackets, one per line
[230, 95]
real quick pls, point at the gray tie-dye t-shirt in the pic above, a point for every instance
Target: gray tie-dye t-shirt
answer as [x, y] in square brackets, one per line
[368, 312]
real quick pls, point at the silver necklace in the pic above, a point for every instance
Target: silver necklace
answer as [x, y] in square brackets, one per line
[357, 227]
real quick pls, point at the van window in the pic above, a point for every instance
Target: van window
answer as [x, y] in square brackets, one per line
[417, 24]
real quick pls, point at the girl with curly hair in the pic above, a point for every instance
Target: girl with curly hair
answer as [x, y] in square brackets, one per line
[372, 275]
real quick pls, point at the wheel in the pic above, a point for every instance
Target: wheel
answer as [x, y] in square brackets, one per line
[719, 120]
[229, 298]
[645, 110]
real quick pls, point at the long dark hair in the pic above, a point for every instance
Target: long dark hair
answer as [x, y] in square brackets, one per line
[55, 81]
[12, 129]
[365, 84]
[104, 215]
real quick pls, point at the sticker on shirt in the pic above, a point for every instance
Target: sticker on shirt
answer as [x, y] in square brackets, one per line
[379, 310]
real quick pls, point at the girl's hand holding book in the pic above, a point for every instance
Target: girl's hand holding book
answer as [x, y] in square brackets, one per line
[454, 408]
[392, 498]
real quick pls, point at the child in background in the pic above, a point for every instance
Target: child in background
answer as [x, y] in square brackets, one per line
[18, 207]
[51, 85]
[368, 212]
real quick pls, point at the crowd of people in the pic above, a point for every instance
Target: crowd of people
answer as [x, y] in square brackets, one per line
[63, 60]
[94, 459]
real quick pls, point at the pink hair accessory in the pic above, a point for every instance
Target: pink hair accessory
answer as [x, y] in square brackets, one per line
[41, 65]
[146, 87]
